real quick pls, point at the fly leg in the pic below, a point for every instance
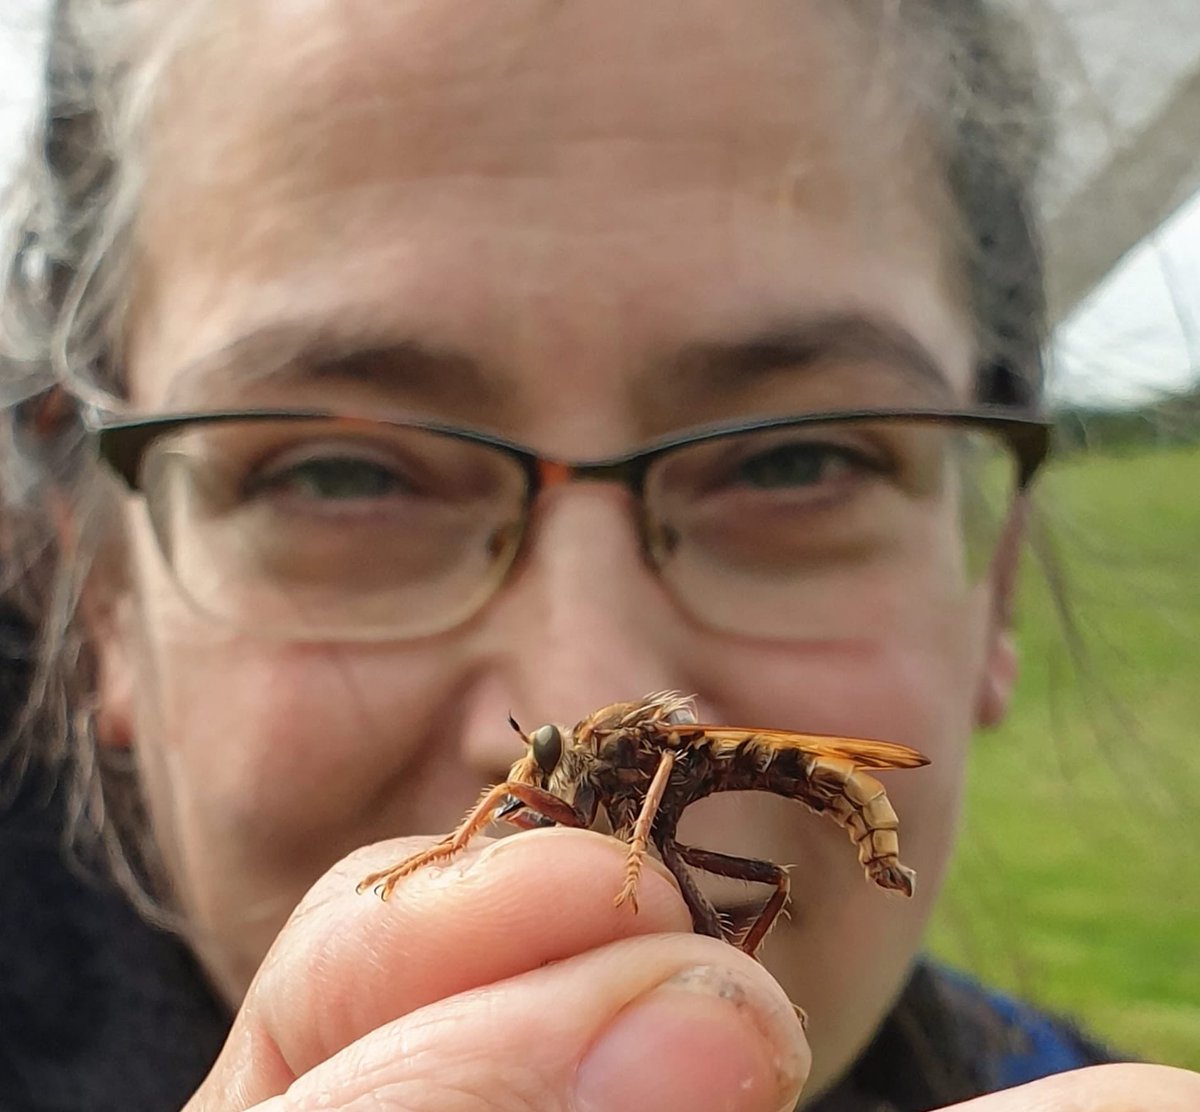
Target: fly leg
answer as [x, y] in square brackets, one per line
[745, 868]
[492, 800]
[739, 868]
[706, 919]
[640, 840]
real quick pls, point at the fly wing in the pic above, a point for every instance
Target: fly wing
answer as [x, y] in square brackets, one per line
[862, 751]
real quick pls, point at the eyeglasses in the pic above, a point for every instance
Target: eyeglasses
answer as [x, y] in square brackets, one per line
[310, 525]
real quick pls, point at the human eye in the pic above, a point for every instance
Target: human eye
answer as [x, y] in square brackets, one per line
[330, 474]
[310, 472]
[340, 470]
[801, 465]
[794, 469]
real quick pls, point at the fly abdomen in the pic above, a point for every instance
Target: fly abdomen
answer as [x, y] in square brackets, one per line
[859, 802]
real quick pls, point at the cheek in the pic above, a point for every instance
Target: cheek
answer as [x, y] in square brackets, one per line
[918, 691]
[263, 763]
[846, 950]
[264, 732]
[914, 678]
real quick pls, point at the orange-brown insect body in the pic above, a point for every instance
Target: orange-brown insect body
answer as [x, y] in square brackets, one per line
[646, 762]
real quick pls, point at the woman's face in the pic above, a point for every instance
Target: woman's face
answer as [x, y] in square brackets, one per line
[562, 201]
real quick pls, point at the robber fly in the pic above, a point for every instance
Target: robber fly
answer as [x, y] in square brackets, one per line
[645, 763]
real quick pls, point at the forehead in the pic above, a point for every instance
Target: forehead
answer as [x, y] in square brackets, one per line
[346, 158]
[533, 72]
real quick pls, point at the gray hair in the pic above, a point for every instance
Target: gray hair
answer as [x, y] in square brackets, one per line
[64, 269]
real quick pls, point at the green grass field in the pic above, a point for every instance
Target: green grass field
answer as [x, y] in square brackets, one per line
[1077, 882]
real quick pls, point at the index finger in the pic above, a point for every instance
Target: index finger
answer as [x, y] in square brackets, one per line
[345, 964]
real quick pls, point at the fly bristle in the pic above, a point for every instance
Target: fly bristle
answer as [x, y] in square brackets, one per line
[672, 706]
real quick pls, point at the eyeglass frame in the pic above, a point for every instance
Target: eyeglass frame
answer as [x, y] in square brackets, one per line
[124, 443]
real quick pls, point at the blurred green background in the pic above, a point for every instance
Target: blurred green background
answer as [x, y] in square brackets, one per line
[1077, 881]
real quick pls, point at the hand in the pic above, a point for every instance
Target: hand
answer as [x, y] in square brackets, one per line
[506, 980]
[1115, 1088]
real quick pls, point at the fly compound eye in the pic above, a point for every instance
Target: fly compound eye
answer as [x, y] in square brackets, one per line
[547, 747]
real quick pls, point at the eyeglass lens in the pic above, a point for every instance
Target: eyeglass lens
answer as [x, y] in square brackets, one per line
[320, 529]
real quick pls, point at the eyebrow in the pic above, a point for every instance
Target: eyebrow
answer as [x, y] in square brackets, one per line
[292, 353]
[289, 353]
[843, 338]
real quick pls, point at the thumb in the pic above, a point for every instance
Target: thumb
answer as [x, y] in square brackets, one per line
[658, 1022]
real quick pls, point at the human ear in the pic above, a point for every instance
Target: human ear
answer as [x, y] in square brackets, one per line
[1001, 665]
[114, 715]
[998, 681]
[105, 606]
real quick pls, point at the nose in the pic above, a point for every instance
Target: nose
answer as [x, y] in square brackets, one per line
[581, 622]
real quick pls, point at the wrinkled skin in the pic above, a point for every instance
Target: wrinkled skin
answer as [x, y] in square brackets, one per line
[566, 194]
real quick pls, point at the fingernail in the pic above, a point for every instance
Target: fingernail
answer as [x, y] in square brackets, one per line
[704, 1040]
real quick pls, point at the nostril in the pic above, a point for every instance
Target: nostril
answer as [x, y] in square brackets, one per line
[502, 540]
[662, 541]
